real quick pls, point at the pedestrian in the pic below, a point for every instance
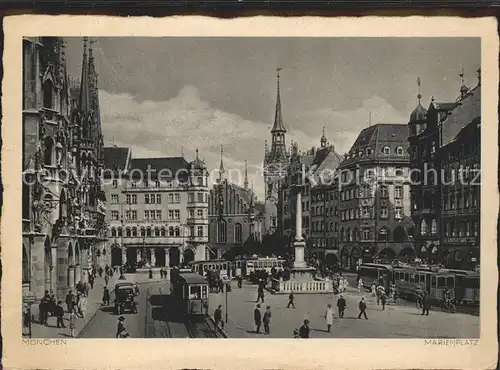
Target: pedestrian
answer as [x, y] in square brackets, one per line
[260, 293]
[257, 317]
[329, 317]
[290, 300]
[304, 329]
[341, 305]
[360, 284]
[378, 292]
[91, 281]
[121, 331]
[426, 304]
[105, 296]
[136, 289]
[373, 289]
[26, 319]
[419, 298]
[362, 308]
[52, 305]
[218, 317]
[42, 307]
[100, 271]
[267, 319]
[79, 304]
[161, 273]
[106, 279]
[72, 323]
[150, 273]
[240, 281]
[59, 311]
[383, 300]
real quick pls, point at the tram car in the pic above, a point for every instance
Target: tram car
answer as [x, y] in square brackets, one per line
[222, 267]
[375, 273]
[263, 264]
[467, 288]
[189, 291]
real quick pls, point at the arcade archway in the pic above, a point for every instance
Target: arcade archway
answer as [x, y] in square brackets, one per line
[331, 260]
[160, 257]
[116, 256]
[174, 257]
[387, 254]
[188, 256]
[355, 258]
[131, 253]
[344, 258]
[407, 253]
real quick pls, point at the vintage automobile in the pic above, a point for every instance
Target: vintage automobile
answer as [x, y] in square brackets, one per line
[124, 298]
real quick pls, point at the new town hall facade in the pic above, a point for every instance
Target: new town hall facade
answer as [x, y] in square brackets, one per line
[63, 203]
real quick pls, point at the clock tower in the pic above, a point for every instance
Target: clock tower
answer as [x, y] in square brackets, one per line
[276, 160]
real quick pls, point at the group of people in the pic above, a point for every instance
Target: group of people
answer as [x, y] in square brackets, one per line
[260, 319]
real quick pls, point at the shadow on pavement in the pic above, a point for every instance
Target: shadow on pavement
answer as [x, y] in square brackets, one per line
[158, 299]
[158, 314]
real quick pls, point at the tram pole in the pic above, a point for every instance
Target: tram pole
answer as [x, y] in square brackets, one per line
[226, 304]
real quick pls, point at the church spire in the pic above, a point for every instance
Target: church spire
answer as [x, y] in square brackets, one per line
[84, 103]
[245, 184]
[221, 167]
[278, 118]
[323, 139]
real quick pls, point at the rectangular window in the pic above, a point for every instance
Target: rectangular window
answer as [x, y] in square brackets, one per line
[199, 212]
[199, 231]
[128, 215]
[191, 197]
[177, 198]
[146, 198]
[398, 213]
[200, 197]
[134, 215]
[115, 215]
[158, 215]
[114, 198]
[128, 199]
[384, 193]
[158, 198]
[170, 214]
[384, 212]
[177, 214]
[115, 184]
[171, 198]
[366, 234]
[191, 213]
[152, 215]
[398, 192]
[366, 211]
[146, 215]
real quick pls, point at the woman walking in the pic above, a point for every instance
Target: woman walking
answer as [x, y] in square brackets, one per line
[72, 323]
[329, 317]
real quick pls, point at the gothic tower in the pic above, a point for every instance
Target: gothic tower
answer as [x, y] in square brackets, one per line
[276, 160]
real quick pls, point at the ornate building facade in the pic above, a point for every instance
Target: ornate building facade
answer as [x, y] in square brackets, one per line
[63, 204]
[157, 209]
[235, 216]
[445, 154]
[374, 197]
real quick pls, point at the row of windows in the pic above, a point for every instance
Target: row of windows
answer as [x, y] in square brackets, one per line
[200, 213]
[148, 198]
[461, 228]
[348, 176]
[157, 231]
[461, 173]
[173, 214]
[197, 181]
[331, 242]
[461, 200]
[366, 191]
[368, 212]
[384, 234]
[369, 151]
[222, 232]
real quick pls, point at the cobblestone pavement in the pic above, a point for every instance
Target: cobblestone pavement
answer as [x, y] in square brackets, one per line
[402, 321]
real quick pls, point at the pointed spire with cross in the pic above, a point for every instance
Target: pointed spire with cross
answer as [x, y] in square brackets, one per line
[419, 95]
[221, 167]
[245, 184]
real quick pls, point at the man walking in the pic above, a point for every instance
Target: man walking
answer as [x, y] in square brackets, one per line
[362, 308]
[59, 311]
[304, 329]
[267, 319]
[257, 317]
[290, 300]
[383, 300]
[260, 293]
[341, 305]
[218, 317]
[426, 304]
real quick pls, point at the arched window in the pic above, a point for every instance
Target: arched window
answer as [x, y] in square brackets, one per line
[386, 150]
[222, 231]
[157, 231]
[47, 95]
[171, 231]
[366, 234]
[433, 226]
[162, 231]
[120, 231]
[134, 231]
[177, 231]
[128, 232]
[348, 235]
[48, 154]
[369, 151]
[383, 234]
[423, 227]
[148, 231]
[399, 150]
[143, 231]
[355, 235]
[113, 231]
[341, 234]
[400, 234]
[237, 233]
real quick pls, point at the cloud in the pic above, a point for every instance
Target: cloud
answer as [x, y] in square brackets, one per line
[187, 122]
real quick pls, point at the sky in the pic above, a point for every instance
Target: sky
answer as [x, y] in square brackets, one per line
[167, 96]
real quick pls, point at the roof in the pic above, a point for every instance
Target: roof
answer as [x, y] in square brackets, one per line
[278, 117]
[467, 110]
[192, 278]
[167, 167]
[418, 113]
[115, 158]
[371, 142]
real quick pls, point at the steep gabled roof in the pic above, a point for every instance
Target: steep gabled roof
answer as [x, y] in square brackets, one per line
[115, 158]
[167, 167]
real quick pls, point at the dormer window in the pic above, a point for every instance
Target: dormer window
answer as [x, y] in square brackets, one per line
[386, 150]
[369, 151]
[399, 150]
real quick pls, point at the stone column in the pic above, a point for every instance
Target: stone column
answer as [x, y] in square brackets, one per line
[71, 277]
[62, 266]
[153, 257]
[167, 262]
[37, 272]
[124, 255]
[138, 254]
[78, 274]
[53, 271]
[299, 241]
[84, 277]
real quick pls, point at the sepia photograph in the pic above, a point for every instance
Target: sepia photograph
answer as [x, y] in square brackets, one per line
[257, 193]
[259, 188]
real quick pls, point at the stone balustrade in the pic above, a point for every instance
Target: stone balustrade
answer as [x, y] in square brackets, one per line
[280, 286]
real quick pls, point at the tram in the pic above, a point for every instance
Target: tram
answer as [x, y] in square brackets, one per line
[249, 266]
[190, 292]
[222, 267]
[467, 288]
[375, 273]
